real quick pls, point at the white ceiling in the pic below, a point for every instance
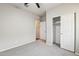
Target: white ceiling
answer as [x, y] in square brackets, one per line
[33, 8]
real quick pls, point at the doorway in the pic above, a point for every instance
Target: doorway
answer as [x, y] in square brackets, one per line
[56, 31]
[37, 27]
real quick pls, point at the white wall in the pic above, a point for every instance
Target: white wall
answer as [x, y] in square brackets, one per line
[17, 27]
[43, 18]
[59, 11]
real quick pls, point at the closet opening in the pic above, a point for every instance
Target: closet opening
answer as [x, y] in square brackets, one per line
[56, 31]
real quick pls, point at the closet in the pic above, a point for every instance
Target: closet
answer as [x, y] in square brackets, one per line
[56, 30]
[66, 31]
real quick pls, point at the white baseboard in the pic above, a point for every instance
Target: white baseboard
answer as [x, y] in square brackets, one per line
[17, 45]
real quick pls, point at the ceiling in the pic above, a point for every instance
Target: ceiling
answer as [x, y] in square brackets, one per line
[33, 8]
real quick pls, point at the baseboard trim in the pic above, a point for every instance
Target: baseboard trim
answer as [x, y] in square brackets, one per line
[15, 46]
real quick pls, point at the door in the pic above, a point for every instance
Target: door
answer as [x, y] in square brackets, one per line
[77, 32]
[67, 31]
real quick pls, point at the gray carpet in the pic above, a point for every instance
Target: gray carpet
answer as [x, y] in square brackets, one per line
[37, 48]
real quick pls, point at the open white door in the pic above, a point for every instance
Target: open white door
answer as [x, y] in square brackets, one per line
[67, 31]
[77, 32]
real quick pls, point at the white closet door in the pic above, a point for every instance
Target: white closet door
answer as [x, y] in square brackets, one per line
[77, 31]
[67, 31]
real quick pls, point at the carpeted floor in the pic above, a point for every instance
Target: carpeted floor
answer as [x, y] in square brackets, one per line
[38, 48]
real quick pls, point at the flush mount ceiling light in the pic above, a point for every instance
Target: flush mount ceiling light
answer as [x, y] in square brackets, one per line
[28, 4]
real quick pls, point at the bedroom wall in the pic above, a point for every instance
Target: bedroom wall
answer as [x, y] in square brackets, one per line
[17, 27]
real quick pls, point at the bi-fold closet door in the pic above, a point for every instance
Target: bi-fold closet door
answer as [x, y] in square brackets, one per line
[67, 31]
[70, 31]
